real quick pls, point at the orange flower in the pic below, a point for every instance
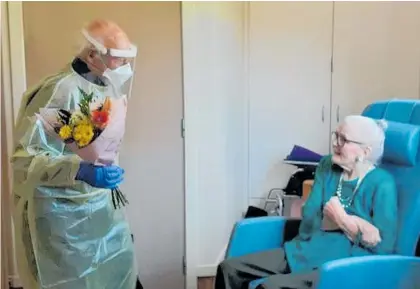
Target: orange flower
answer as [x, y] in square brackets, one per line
[100, 118]
[107, 104]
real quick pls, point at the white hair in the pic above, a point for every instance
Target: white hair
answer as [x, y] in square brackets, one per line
[370, 132]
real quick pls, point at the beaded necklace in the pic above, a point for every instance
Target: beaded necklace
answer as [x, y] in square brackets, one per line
[346, 202]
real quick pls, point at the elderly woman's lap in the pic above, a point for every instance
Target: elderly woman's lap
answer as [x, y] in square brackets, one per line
[272, 265]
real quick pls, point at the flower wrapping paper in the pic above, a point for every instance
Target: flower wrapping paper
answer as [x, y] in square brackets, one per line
[104, 149]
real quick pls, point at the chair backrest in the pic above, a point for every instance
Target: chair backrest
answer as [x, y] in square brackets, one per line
[402, 160]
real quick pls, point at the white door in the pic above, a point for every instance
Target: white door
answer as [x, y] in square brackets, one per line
[376, 54]
[289, 85]
[152, 154]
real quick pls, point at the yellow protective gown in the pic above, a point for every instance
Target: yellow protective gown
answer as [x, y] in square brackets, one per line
[68, 235]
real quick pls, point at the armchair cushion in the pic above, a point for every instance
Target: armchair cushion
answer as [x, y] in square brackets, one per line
[401, 143]
[260, 234]
[390, 272]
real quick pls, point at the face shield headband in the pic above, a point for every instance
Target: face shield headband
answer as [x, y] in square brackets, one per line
[127, 53]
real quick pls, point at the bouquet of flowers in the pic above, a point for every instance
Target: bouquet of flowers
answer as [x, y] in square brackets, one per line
[94, 131]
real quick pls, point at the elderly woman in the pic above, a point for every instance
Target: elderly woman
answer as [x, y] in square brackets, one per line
[351, 211]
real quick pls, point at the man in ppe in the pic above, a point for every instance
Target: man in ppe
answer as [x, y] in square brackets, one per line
[68, 235]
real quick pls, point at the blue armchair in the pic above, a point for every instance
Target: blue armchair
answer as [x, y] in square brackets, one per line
[402, 160]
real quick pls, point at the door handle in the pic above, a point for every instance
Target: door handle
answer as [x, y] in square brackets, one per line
[338, 113]
[323, 113]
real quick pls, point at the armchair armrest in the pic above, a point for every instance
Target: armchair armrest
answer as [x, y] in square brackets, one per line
[260, 234]
[386, 271]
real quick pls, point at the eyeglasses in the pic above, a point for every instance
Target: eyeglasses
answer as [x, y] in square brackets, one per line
[340, 140]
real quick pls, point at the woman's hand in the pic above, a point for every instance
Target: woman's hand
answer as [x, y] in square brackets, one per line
[334, 211]
[370, 234]
[351, 225]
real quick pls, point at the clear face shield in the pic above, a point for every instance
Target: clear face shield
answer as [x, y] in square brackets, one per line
[119, 79]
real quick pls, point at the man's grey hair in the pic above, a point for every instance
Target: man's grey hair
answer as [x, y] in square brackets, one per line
[370, 132]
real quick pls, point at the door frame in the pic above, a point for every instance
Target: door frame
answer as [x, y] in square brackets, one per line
[16, 54]
[13, 79]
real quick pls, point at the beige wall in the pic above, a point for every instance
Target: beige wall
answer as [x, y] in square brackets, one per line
[53, 41]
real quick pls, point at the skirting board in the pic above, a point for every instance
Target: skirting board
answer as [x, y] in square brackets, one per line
[210, 270]
[206, 271]
[14, 282]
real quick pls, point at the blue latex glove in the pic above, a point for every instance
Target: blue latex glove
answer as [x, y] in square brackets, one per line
[106, 177]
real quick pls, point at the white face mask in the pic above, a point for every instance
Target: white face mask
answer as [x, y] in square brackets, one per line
[119, 76]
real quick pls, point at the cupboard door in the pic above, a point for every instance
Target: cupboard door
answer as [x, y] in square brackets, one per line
[289, 86]
[376, 54]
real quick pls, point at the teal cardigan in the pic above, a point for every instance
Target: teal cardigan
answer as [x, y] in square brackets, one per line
[375, 201]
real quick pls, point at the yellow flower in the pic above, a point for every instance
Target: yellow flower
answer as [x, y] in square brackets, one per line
[83, 133]
[65, 132]
[86, 121]
[78, 118]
